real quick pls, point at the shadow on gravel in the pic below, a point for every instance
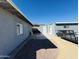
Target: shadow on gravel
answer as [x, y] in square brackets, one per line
[29, 50]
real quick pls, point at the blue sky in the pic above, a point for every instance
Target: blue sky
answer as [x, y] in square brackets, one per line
[49, 11]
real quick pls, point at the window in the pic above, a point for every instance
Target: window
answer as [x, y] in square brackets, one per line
[65, 26]
[19, 29]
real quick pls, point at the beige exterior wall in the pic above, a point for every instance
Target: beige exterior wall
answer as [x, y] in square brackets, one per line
[50, 29]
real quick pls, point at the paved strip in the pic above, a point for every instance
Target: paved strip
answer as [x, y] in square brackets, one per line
[67, 50]
[38, 49]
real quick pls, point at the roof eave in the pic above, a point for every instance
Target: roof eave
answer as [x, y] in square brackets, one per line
[15, 8]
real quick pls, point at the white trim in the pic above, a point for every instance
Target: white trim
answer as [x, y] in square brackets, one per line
[10, 1]
[20, 28]
[4, 56]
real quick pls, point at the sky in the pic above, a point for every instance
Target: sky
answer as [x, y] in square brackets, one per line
[49, 11]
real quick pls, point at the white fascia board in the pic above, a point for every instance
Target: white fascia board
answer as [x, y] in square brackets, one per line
[66, 22]
[11, 2]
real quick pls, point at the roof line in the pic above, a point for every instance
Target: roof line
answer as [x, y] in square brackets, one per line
[10, 1]
[66, 22]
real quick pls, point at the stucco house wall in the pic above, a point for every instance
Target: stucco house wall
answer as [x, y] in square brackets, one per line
[9, 39]
[70, 27]
[52, 28]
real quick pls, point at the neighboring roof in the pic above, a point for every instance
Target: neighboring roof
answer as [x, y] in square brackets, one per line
[5, 4]
[66, 23]
[36, 25]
